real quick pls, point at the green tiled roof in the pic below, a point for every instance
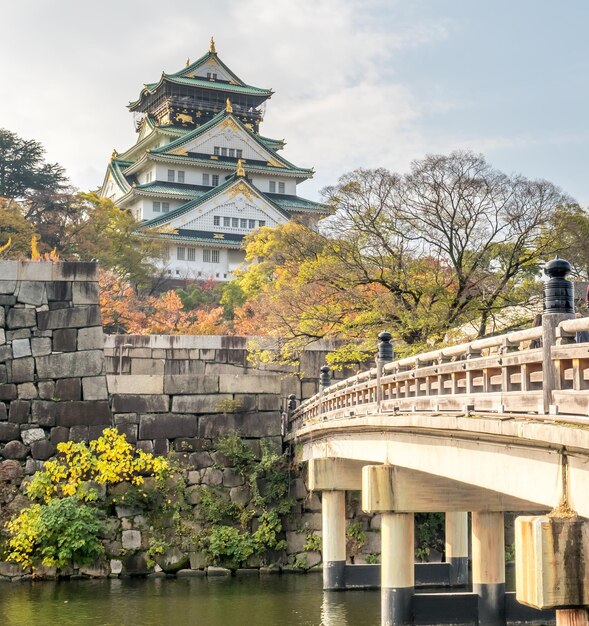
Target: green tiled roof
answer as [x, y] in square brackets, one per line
[203, 59]
[181, 210]
[173, 189]
[297, 203]
[197, 238]
[246, 90]
[213, 122]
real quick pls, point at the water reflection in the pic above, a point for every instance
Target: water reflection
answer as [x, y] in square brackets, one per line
[333, 609]
[294, 600]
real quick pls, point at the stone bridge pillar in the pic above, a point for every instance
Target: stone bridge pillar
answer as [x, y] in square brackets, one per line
[397, 546]
[333, 510]
[488, 566]
[333, 477]
[457, 547]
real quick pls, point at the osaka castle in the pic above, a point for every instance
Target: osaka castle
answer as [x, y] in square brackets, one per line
[200, 175]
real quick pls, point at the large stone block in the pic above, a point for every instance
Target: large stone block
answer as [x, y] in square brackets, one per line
[122, 403]
[15, 450]
[83, 413]
[184, 367]
[27, 391]
[245, 424]
[31, 292]
[23, 370]
[268, 402]
[148, 367]
[8, 392]
[59, 434]
[21, 348]
[91, 338]
[84, 292]
[70, 365]
[214, 403]
[74, 271]
[21, 318]
[40, 346]
[2, 331]
[42, 450]
[3, 412]
[46, 389]
[32, 434]
[64, 340]
[167, 426]
[145, 385]
[94, 388]
[190, 384]
[19, 411]
[8, 431]
[75, 317]
[5, 353]
[43, 412]
[7, 287]
[60, 291]
[79, 434]
[19, 333]
[68, 389]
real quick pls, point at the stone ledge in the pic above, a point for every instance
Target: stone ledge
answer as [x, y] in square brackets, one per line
[47, 271]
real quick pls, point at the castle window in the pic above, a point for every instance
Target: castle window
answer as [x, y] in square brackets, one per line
[261, 223]
[181, 253]
[171, 176]
[272, 186]
[226, 221]
[180, 176]
[215, 179]
[217, 150]
[205, 180]
[239, 153]
[234, 222]
[165, 207]
[280, 187]
[210, 256]
[223, 151]
[252, 223]
[242, 223]
[217, 220]
[191, 254]
[231, 152]
[157, 207]
[211, 76]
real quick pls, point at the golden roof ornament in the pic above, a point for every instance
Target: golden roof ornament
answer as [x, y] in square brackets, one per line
[240, 168]
[187, 61]
[114, 154]
[228, 106]
[212, 47]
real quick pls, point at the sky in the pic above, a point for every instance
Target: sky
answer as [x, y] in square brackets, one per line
[358, 83]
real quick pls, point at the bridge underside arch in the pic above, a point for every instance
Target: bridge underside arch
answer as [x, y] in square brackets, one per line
[505, 474]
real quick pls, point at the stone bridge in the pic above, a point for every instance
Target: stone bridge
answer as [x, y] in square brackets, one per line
[475, 430]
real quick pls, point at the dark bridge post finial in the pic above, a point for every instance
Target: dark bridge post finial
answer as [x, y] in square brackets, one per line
[292, 402]
[385, 347]
[558, 291]
[325, 377]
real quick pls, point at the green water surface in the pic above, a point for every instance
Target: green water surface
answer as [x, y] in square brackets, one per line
[287, 600]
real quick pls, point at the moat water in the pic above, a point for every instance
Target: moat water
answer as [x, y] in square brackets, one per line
[287, 600]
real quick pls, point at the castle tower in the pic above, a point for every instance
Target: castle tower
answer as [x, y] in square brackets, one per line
[200, 175]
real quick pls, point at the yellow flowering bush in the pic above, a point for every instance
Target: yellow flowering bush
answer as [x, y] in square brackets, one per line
[108, 460]
[64, 526]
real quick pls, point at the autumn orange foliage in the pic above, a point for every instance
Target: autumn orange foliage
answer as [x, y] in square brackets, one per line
[126, 311]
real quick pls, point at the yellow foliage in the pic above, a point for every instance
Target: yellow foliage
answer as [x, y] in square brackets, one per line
[108, 460]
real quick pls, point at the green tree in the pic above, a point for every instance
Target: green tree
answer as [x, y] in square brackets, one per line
[100, 231]
[441, 250]
[23, 168]
[14, 228]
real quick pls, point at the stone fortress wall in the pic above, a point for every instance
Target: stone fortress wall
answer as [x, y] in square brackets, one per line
[61, 379]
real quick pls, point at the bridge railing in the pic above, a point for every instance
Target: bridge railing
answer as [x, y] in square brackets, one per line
[501, 374]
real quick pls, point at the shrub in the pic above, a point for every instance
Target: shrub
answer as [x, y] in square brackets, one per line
[55, 534]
